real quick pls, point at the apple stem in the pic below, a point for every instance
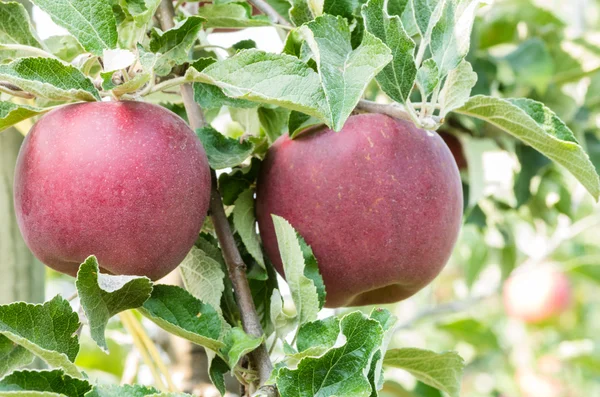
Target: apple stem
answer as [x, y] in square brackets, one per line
[235, 264]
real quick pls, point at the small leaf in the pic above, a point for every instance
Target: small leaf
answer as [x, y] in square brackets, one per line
[539, 127]
[175, 44]
[301, 12]
[341, 371]
[103, 296]
[216, 371]
[387, 322]
[311, 269]
[442, 371]
[423, 10]
[12, 356]
[15, 28]
[244, 221]
[397, 78]
[223, 152]
[273, 121]
[92, 22]
[55, 382]
[142, 11]
[428, 77]
[45, 330]
[457, 88]
[344, 72]
[282, 322]
[300, 122]
[231, 15]
[238, 344]
[12, 113]
[451, 36]
[304, 291]
[49, 78]
[233, 184]
[178, 312]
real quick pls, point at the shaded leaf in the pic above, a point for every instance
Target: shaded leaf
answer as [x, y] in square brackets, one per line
[223, 152]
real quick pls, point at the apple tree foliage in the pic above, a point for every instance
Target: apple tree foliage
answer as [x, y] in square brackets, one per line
[435, 61]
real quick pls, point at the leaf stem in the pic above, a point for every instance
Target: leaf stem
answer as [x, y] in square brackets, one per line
[30, 49]
[15, 91]
[167, 84]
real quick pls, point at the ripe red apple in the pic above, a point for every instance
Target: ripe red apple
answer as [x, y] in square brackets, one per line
[535, 295]
[379, 202]
[128, 182]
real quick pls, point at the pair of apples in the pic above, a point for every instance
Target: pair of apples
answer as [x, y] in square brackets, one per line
[379, 202]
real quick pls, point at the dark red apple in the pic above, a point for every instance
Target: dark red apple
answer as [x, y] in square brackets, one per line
[379, 202]
[537, 294]
[128, 182]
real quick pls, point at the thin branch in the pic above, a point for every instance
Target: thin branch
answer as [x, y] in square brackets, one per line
[235, 265]
[273, 15]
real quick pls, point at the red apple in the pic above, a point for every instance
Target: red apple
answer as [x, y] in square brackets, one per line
[535, 295]
[455, 146]
[128, 182]
[379, 202]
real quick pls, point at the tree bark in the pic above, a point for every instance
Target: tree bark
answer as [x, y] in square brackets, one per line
[22, 276]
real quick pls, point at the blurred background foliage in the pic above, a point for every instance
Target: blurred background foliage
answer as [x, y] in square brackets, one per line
[521, 211]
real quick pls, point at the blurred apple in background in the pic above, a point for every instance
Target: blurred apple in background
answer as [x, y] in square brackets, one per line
[537, 294]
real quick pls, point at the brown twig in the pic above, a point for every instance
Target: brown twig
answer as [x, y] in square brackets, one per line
[235, 265]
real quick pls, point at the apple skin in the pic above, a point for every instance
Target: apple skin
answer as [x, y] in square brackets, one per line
[379, 202]
[128, 182]
[536, 295]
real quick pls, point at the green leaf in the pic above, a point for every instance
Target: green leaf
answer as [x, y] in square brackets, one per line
[299, 122]
[142, 11]
[49, 78]
[387, 322]
[178, 312]
[303, 289]
[15, 28]
[12, 356]
[473, 332]
[423, 10]
[532, 64]
[216, 371]
[587, 266]
[318, 334]
[238, 344]
[212, 97]
[344, 72]
[92, 22]
[54, 382]
[175, 44]
[203, 277]
[45, 330]
[65, 47]
[231, 15]
[451, 36]
[266, 78]
[274, 121]
[282, 322]
[223, 152]
[532, 162]
[244, 221]
[311, 269]
[301, 12]
[539, 127]
[340, 372]
[428, 77]
[398, 77]
[457, 88]
[233, 184]
[147, 61]
[12, 113]
[122, 391]
[440, 370]
[347, 8]
[103, 296]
